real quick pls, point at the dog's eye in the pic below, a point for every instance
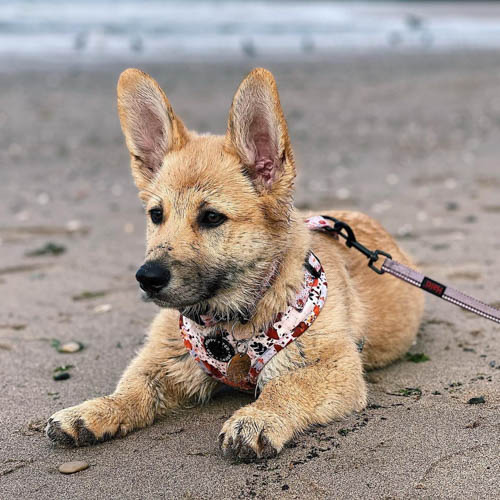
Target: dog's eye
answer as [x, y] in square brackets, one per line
[156, 215]
[211, 219]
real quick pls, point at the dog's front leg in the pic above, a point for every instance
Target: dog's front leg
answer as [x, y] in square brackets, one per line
[328, 387]
[162, 377]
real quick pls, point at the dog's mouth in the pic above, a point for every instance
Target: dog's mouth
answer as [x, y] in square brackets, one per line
[202, 310]
[147, 297]
[166, 302]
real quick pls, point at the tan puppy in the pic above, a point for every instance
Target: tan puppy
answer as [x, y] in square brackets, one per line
[220, 215]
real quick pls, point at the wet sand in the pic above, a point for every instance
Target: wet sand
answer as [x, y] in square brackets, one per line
[413, 140]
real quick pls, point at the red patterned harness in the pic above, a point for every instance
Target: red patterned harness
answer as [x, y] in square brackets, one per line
[213, 348]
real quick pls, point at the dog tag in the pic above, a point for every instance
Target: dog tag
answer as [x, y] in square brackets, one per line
[238, 368]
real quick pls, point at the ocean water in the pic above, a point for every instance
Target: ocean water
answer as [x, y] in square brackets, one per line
[90, 30]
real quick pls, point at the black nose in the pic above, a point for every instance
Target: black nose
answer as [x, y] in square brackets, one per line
[152, 276]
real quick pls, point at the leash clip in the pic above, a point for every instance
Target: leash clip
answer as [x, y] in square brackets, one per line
[351, 242]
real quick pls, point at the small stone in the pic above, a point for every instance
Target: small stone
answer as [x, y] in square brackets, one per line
[450, 183]
[61, 376]
[392, 179]
[72, 467]
[371, 378]
[70, 347]
[74, 226]
[103, 308]
[43, 198]
[285, 487]
[422, 216]
[23, 215]
[343, 193]
[472, 425]
[476, 401]
[405, 230]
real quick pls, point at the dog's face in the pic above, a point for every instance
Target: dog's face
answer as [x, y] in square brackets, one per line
[218, 208]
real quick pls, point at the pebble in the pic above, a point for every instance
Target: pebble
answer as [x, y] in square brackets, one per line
[74, 226]
[343, 193]
[422, 216]
[405, 230]
[450, 183]
[70, 347]
[381, 207]
[103, 308]
[392, 179]
[43, 198]
[72, 467]
[61, 376]
[476, 401]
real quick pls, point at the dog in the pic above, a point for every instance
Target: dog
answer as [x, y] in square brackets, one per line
[226, 251]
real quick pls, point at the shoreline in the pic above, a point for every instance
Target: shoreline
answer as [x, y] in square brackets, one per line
[12, 64]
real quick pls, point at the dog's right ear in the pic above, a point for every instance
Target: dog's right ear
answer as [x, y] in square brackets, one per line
[149, 124]
[257, 132]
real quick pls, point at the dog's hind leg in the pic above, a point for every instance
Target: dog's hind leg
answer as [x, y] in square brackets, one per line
[162, 377]
[328, 387]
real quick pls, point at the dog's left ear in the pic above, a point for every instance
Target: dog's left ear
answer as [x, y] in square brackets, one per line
[258, 134]
[150, 126]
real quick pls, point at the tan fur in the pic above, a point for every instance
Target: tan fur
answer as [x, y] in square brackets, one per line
[317, 378]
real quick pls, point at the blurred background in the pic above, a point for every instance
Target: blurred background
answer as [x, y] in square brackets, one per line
[100, 30]
[393, 109]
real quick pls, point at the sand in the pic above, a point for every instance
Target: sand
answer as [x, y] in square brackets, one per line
[413, 140]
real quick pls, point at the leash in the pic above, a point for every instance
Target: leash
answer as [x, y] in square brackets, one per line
[403, 272]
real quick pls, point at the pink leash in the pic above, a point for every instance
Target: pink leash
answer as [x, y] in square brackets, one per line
[340, 228]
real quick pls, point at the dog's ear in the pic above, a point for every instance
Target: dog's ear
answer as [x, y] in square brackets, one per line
[149, 124]
[258, 134]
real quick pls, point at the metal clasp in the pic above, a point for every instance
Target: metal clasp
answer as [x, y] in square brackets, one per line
[374, 259]
[351, 242]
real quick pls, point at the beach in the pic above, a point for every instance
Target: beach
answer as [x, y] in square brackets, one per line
[411, 138]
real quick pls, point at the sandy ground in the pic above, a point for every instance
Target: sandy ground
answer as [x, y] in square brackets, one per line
[411, 139]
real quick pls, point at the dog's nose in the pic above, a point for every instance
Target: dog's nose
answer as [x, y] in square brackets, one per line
[152, 277]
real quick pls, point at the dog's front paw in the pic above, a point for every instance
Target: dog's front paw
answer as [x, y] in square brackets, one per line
[89, 423]
[252, 434]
